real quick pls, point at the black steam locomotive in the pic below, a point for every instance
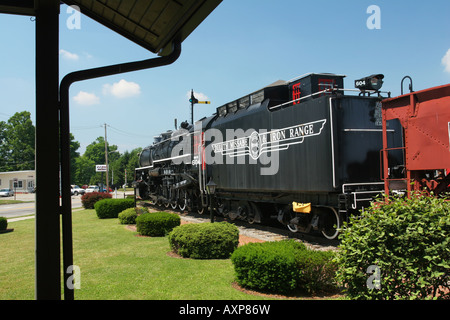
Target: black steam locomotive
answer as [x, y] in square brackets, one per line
[305, 152]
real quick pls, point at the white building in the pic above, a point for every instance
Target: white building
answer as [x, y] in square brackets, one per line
[24, 181]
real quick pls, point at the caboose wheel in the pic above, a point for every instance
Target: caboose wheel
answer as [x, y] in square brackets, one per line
[331, 224]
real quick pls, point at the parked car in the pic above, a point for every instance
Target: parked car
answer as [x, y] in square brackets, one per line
[6, 192]
[92, 189]
[76, 190]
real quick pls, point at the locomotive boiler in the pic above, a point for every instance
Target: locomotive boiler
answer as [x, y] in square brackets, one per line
[304, 152]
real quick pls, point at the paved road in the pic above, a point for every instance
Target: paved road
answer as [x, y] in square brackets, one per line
[27, 208]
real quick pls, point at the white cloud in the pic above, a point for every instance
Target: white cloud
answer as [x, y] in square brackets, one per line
[198, 95]
[446, 61]
[68, 55]
[122, 89]
[86, 99]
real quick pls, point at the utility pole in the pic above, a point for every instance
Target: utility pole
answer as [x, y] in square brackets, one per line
[106, 159]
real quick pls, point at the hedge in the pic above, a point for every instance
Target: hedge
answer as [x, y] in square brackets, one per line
[128, 216]
[110, 208]
[157, 224]
[205, 240]
[407, 241]
[89, 199]
[3, 223]
[284, 267]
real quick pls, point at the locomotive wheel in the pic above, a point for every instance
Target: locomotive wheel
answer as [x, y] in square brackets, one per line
[332, 224]
[182, 200]
[288, 216]
[292, 228]
[200, 208]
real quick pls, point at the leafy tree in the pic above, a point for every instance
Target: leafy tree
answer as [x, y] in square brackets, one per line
[94, 154]
[96, 150]
[84, 170]
[17, 142]
[127, 161]
[3, 147]
[74, 155]
[133, 163]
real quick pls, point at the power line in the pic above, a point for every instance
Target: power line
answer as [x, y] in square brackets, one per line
[86, 127]
[123, 132]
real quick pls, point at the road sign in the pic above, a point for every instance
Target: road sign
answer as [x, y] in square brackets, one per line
[100, 168]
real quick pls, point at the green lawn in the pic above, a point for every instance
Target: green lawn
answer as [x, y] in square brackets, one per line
[12, 201]
[116, 264]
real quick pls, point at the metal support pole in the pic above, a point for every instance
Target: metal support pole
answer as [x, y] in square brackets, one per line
[211, 208]
[48, 264]
[65, 140]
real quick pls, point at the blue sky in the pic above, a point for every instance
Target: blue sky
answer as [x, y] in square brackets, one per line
[241, 47]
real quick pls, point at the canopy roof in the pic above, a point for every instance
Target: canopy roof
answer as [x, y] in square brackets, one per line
[153, 24]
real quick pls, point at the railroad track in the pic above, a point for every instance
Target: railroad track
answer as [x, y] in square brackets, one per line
[257, 231]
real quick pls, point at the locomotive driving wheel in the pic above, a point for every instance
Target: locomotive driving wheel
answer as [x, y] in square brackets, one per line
[174, 199]
[182, 199]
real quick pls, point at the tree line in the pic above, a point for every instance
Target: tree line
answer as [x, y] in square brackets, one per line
[17, 153]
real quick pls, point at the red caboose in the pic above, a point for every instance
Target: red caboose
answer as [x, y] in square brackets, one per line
[425, 118]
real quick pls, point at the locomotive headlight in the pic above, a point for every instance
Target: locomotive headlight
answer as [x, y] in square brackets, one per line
[373, 82]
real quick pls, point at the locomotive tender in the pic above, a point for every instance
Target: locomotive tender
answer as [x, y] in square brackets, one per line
[305, 152]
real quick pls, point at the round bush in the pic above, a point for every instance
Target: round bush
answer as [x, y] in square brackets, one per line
[283, 267]
[268, 266]
[156, 224]
[3, 223]
[407, 241]
[110, 208]
[205, 240]
[89, 199]
[128, 216]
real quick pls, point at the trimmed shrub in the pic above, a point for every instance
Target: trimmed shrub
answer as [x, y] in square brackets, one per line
[89, 199]
[3, 223]
[406, 241]
[157, 224]
[317, 271]
[128, 216]
[283, 267]
[205, 240]
[110, 208]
